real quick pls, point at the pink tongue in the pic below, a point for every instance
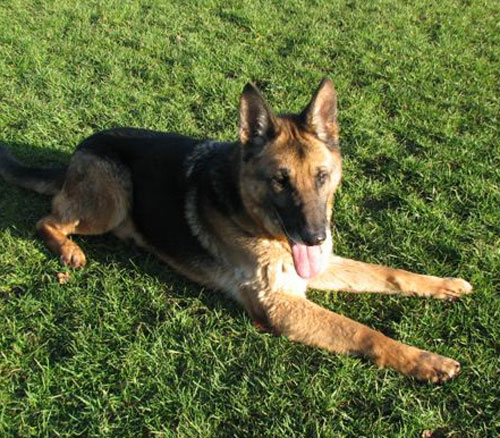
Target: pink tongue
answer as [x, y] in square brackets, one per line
[307, 259]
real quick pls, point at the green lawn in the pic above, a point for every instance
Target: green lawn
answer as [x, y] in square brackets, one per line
[127, 348]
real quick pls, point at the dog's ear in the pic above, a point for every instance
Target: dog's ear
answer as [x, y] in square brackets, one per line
[257, 121]
[320, 115]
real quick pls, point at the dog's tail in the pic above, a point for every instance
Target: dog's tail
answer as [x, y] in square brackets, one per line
[41, 180]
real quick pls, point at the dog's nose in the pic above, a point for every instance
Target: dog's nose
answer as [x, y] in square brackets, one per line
[319, 238]
[314, 238]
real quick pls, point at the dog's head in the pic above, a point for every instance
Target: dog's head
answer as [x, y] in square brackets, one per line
[290, 169]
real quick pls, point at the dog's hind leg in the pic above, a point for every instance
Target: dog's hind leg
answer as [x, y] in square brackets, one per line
[352, 276]
[94, 199]
[54, 233]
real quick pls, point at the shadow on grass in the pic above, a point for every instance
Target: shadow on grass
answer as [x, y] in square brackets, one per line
[20, 209]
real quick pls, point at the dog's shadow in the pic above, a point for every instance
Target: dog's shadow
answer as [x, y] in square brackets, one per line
[20, 209]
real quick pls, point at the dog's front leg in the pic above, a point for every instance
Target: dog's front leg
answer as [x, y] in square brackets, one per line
[303, 321]
[352, 276]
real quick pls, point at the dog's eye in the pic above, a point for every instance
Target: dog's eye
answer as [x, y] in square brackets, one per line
[279, 181]
[321, 177]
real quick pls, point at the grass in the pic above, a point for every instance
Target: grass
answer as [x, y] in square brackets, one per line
[128, 349]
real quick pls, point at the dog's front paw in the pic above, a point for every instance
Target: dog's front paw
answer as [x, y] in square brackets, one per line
[451, 288]
[433, 367]
[72, 255]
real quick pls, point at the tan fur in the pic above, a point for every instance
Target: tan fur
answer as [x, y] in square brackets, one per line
[352, 276]
[254, 260]
[94, 199]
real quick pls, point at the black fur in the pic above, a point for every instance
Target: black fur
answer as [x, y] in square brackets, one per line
[158, 163]
[45, 181]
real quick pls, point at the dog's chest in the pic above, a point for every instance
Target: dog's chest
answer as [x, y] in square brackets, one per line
[283, 277]
[271, 271]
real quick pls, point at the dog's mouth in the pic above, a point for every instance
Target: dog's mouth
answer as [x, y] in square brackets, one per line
[308, 260]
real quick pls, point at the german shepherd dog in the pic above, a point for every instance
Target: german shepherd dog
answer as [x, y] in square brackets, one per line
[251, 218]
